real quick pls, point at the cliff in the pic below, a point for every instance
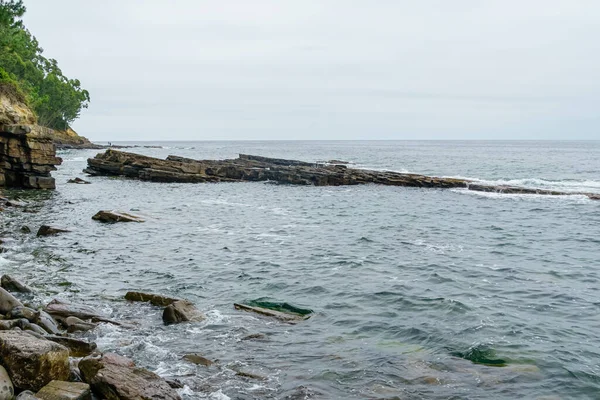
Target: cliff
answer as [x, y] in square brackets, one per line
[27, 151]
[69, 139]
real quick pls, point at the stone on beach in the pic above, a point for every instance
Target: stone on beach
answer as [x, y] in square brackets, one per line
[282, 316]
[7, 390]
[154, 299]
[32, 363]
[181, 311]
[63, 309]
[29, 314]
[13, 285]
[8, 302]
[75, 324]
[46, 230]
[115, 216]
[120, 380]
[60, 390]
[77, 347]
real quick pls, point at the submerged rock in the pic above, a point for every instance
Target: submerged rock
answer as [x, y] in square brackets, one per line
[117, 380]
[79, 181]
[281, 316]
[60, 390]
[115, 216]
[8, 302]
[13, 285]
[46, 230]
[198, 359]
[32, 363]
[154, 299]
[182, 311]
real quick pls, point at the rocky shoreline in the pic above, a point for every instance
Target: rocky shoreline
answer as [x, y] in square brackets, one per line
[263, 169]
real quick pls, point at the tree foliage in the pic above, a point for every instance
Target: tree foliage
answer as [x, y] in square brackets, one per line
[56, 99]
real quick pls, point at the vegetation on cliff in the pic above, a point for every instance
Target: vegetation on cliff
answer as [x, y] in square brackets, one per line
[27, 75]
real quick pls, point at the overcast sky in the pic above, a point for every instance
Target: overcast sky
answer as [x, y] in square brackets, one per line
[329, 69]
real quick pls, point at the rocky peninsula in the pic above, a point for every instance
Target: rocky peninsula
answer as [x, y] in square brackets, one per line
[281, 171]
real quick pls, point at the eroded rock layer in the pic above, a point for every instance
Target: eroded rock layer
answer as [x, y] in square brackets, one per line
[27, 155]
[257, 168]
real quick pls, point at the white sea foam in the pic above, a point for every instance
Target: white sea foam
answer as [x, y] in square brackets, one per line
[524, 196]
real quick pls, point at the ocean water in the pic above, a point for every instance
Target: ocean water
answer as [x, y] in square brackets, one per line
[416, 293]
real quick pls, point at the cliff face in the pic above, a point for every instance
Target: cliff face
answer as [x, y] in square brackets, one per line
[27, 151]
[69, 139]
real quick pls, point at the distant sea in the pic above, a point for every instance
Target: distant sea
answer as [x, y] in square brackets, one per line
[416, 293]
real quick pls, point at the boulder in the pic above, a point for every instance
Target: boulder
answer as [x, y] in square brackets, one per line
[58, 308]
[7, 391]
[75, 324]
[29, 314]
[120, 380]
[46, 321]
[77, 347]
[154, 299]
[25, 325]
[281, 316]
[181, 311]
[60, 390]
[32, 363]
[115, 216]
[46, 230]
[26, 395]
[13, 285]
[8, 302]
[6, 325]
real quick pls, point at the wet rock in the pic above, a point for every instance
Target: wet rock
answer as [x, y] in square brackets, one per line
[29, 314]
[46, 230]
[32, 363]
[46, 322]
[117, 381]
[250, 375]
[77, 347]
[115, 216]
[58, 308]
[8, 302]
[7, 391]
[13, 285]
[182, 311]
[25, 325]
[60, 390]
[154, 299]
[174, 383]
[75, 324]
[281, 316]
[255, 336]
[6, 325]
[197, 359]
[79, 181]
[26, 395]
[25, 229]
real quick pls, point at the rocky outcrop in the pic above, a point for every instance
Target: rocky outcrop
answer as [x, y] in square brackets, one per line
[59, 390]
[257, 168]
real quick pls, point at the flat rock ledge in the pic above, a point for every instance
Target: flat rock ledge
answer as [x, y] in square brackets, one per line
[257, 168]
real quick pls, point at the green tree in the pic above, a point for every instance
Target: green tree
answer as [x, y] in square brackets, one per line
[56, 99]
